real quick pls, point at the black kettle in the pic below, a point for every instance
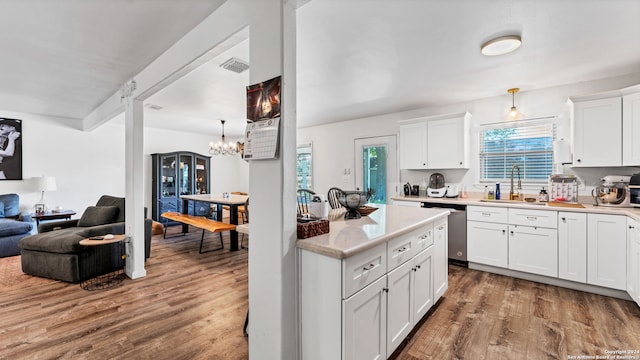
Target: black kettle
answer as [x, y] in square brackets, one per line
[407, 189]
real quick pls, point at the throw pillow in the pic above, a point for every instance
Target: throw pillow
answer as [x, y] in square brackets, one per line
[1, 209]
[98, 215]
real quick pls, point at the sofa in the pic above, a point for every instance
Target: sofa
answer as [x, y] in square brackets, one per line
[55, 251]
[14, 225]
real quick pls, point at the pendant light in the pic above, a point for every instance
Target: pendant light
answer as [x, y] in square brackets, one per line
[514, 112]
[222, 147]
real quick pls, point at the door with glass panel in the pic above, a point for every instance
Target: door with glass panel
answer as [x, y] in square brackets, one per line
[377, 167]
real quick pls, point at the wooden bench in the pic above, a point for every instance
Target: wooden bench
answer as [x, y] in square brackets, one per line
[200, 222]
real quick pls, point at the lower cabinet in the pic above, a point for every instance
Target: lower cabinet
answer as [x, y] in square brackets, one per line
[633, 260]
[533, 250]
[572, 246]
[606, 250]
[364, 306]
[365, 323]
[410, 296]
[487, 243]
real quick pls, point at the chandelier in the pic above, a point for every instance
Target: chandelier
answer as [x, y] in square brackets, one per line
[222, 147]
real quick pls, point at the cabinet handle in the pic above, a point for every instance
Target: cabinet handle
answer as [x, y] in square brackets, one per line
[512, 233]
[460, 162]
[385, 290]
[418, 266]
[532, 218]
[486, 214]
[414, 269]
[504, 232]
[564, 219]
[440, 227]
[424, 164]
[579, 160]
[401, 250]
[631, 227]
[367, 268]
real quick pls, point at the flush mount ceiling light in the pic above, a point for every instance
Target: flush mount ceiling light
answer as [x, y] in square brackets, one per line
[222, 147]
[501, 45]
[514, 111]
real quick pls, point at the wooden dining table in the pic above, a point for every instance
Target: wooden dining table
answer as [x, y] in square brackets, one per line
[233, 201]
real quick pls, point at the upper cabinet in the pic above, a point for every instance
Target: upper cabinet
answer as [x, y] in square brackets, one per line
[604, 126]
[435, 142]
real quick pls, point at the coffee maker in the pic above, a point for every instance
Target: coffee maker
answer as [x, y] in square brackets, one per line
[613, 191]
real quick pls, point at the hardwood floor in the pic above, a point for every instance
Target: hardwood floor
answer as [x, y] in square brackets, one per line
[193, 306]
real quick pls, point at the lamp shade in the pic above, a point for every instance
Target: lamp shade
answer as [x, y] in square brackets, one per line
[47, 183]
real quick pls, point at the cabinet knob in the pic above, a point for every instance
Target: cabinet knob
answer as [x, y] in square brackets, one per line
[564, 219]
[385, 290]
[631, 227]
[504, 232]
[418, 266]
[367, 268]
[424, 164]
[512, 233]
[579, 160]
[460, 162]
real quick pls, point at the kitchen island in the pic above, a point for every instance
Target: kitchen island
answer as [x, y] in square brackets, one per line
[366, 283]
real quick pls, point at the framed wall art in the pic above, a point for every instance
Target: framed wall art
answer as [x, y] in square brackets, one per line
[10, 149]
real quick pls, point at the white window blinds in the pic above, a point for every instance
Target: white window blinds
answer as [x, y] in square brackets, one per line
[528, 146]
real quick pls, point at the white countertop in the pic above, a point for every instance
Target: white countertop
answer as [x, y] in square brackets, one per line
[349, 237]
[588, 207]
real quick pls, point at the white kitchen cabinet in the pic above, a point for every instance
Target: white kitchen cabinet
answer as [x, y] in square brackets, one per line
[633, 260]
[365, 323]
[487, 243]
[407, 203]
[450, 137]
[631, 129]
[423, 298]
[533, 250]
[572, 246]
[399, 305]
[413, 146]
[597, 132]
[607, 250]
[424, 141]
[440, 259]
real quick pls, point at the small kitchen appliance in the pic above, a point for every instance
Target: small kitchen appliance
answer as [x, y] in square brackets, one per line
[436, 186]
[614, 191]
[634, 190]
[452, 191]
[407, 189]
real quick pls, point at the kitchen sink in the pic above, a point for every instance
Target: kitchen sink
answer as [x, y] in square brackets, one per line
[515, 202]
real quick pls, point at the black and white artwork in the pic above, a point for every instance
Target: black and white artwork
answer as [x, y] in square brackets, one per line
[10, 149]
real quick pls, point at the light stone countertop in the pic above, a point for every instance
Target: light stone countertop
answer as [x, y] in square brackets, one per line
[632, 212]
[350, 237]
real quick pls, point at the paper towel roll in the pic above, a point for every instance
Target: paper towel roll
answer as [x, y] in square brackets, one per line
[562, 152]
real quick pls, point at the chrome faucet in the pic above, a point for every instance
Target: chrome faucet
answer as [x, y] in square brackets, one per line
[512, 195]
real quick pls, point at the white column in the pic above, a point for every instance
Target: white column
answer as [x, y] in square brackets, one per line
[134, 207]
[273, 296]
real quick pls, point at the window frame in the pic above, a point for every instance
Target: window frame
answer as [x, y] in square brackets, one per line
[552, 121]
[298, 153]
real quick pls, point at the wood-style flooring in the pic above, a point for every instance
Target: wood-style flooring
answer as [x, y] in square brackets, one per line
[193, 306]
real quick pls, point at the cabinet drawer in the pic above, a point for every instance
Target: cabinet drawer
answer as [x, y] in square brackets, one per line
[539, 218]
[424, 238]
[487, 214]
[401, 249]
[362, 269]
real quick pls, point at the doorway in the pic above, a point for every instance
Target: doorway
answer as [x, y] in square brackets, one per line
[377, 167]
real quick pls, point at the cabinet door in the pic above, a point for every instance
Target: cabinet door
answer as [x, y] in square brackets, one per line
[168, 176]
[631, 130]
[487, 243]
[446, 136]
[399, 305]
[413, 146]
[633, 260]
[606, 250]
[597, 134]
[533, 250]
[185, 175]
[440, 256]
[572, 246]
[364, 334]
[202, 175]
[422, 283]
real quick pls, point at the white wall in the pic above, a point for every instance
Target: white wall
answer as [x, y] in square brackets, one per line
[87, 165]
[333, 146]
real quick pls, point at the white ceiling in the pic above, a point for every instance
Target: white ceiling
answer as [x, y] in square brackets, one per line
[356, 58]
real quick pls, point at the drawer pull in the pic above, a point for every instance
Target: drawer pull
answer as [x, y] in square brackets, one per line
[425, 236]
[367, 268]
[385, 290]
[401, 250]
[631, 227]
[486, 214]
[440, 227]
[418, 266]
[532, 218]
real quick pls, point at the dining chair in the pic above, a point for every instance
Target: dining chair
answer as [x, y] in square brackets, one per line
[245, 217]
[332, 195]
[303, 197]
[241, 214]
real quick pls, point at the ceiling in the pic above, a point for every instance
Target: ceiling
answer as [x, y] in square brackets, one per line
[356, 58]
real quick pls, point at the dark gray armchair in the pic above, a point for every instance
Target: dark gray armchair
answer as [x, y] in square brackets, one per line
[55, 251]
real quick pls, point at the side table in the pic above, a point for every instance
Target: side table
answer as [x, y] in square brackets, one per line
[114, 260]
[65, 214]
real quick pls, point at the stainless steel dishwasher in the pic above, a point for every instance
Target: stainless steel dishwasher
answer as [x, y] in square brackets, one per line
[457, 231]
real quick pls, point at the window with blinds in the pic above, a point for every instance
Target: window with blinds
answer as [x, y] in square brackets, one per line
[304, 166]
[528, 146]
